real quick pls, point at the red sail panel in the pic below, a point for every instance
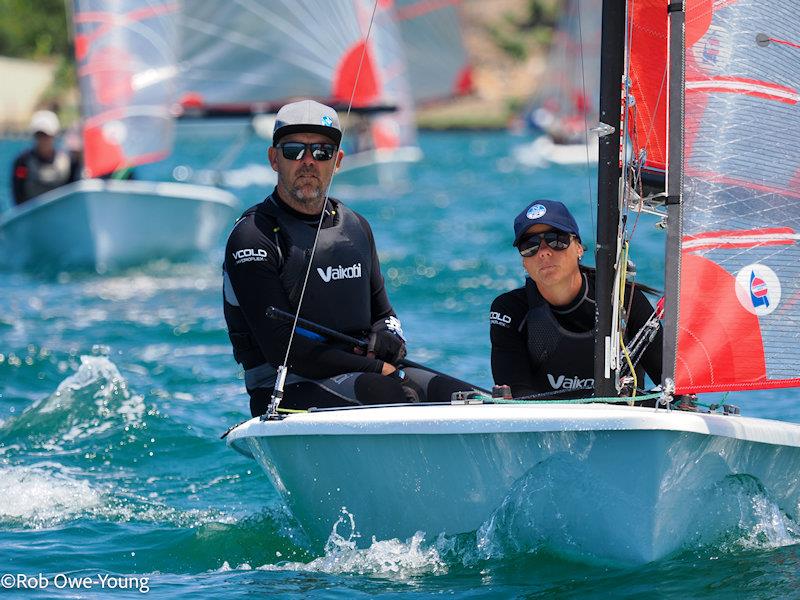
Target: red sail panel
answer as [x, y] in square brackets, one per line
[356, 77]
[648, 75]
[719, 340]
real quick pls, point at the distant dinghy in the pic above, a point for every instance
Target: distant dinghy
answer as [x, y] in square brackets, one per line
[104, 225]
[126, 62]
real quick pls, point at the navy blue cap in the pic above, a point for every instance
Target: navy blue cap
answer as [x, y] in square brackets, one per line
[547, 212]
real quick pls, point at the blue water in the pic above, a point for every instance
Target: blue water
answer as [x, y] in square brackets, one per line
[114, 390]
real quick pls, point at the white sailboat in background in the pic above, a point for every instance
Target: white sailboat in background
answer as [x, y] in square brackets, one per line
[243, 58]
[566, 105]
[624, 483]
[126, 62]
[438, 64]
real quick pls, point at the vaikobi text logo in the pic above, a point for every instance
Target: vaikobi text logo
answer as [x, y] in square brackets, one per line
[340, 272]
[576, 383]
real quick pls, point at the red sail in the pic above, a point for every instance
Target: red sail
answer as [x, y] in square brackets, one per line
[648, 74]
[739, 303]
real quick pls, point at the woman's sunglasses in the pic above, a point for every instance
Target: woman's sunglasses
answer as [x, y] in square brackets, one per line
[555, 240]
[297, 150]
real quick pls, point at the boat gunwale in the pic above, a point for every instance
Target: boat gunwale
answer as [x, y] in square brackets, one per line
[175, 190]
[508, 418]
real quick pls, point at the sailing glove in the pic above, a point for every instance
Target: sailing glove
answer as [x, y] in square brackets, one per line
[386, 341]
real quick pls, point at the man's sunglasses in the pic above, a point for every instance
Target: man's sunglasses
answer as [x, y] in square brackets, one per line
[297, 150]
[555, 240]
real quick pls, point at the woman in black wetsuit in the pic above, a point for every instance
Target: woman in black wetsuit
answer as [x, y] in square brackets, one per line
[542, 334]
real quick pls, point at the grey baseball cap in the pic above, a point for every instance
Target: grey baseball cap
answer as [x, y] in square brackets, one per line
[307, 116]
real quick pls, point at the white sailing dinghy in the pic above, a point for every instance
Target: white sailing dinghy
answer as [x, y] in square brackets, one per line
[126, 61]
[615, 481]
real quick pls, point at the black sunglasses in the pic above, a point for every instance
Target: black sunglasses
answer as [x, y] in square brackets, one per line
[297, 150]
[556, 240]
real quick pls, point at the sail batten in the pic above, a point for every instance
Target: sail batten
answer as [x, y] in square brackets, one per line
[751, 87]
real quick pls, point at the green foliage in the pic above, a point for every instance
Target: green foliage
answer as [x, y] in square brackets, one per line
[509, 41]
[57, 93]
[518, 35]
[33, 28]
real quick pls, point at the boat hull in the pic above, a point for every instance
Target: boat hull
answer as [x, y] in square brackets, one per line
[101, 225]
[596, 481]
[543, 151]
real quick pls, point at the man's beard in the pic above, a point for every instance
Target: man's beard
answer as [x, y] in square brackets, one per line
[307, 193]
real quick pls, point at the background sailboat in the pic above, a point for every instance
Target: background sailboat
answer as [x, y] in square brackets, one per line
[438, 64]
[566, 105]
[247, 58]
[126, 62]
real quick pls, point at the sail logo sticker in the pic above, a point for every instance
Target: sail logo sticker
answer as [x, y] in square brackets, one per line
[713, 51]
[758, 289]
[536, 212]
[327, 121]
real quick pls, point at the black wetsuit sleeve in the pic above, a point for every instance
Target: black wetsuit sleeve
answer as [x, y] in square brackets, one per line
[640, 312]
[19, 174]
[507, 332]
[252, 263]
[380, 307]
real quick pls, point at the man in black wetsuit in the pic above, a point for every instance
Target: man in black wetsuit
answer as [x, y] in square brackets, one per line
[42, 167]
[266, 259]
[542, 334]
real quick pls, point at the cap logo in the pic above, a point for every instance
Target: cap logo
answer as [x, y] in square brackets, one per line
[327, 121]
[536, 211]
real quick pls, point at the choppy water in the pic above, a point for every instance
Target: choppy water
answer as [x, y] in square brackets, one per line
[114, 391]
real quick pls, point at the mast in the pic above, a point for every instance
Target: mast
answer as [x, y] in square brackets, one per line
[612, 61]
[674, 181]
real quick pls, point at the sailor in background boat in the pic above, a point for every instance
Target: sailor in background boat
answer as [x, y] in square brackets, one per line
[43, 167]
[542, 334]
[266, 259]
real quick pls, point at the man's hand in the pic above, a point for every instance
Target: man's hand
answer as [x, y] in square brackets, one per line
[388, 369]
[386, 341]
